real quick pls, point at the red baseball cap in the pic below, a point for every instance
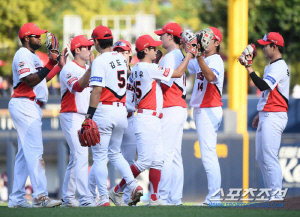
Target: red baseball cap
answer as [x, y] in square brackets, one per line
[218, 34]
[125, 45]
[100, 32]
[272, 37]
[30, 29]
[172, 28]
[79, 41]
[145, 41]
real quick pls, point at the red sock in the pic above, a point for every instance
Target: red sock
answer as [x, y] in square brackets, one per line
[154, 178]
[135, 171]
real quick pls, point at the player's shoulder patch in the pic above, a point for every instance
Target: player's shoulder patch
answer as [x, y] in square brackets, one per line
[21, 64]
[69, 75]
[270, 78]
[215, 71]
[166, 72]
[130, 79]
[98, 79]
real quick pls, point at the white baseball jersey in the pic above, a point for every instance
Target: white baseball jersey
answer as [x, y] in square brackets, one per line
[25, 63]
[207, 94]
[147, 77]
[72, 101]
[174, 91]
[109, 71]
[130, 96]
[275, 99]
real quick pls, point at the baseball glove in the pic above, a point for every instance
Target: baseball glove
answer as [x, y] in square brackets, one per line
[203, 38]
[158, 57]
[189, 41]
[250, 50]
[89, 134]
[52, 46]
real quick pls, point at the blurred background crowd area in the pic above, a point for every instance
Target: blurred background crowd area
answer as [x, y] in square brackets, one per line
[281, 16]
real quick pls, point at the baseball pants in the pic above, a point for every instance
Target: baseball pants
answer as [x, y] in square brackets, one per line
[207, 122]
[112, 122]
[147, 130]
[128, 149]
[76, 176]
[171, 184]
[267, 143]
[27, 118]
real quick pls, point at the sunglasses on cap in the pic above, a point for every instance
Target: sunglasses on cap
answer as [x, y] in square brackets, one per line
[265, 37]
[120, 44]
[34, 36]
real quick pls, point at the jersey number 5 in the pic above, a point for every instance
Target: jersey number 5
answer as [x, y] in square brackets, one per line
[138, 91]
[122, 82]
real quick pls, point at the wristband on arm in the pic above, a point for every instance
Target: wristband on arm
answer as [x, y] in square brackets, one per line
[90, 112]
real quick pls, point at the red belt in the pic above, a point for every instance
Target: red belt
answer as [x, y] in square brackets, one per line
[160, 115]
[40, 103]
[112, 103]
[129, 114]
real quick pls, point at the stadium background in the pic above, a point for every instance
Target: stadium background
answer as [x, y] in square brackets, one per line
[130, 19]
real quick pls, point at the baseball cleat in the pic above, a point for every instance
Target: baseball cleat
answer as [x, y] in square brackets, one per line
[88, 204]
[135, 194]
[116, 198]
[68, 204]
[45, 201]
[24, 204]
[158, 202]
[202, 204]
[103, 201]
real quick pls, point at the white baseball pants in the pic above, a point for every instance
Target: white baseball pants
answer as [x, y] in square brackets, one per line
[27, 118]
[149, 141]
[76, 176]
[128, 149]
[207, 122]
[171, 184]
[267, 143]
[112, 122]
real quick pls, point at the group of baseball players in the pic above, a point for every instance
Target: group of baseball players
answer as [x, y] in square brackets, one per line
[120, 112]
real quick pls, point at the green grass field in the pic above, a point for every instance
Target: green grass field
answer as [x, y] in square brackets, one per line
[142, 211]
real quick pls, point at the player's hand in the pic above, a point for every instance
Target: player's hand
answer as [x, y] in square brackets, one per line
[63, 58]
[255, 121]
[92, 57]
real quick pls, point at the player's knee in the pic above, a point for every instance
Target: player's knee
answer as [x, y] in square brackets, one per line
[157, 165]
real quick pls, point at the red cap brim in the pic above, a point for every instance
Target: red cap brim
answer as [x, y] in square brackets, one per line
[155, 44]
[124, 48]
[159, 32]
[87, 43]
[262, 42]
[39, 32]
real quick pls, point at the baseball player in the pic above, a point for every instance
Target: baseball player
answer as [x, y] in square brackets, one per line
[128, 147]
[272, 106]
[207, 105]
[30, 94]
[107, 109]
[75, 98]
[175, 114]
[147, 126]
